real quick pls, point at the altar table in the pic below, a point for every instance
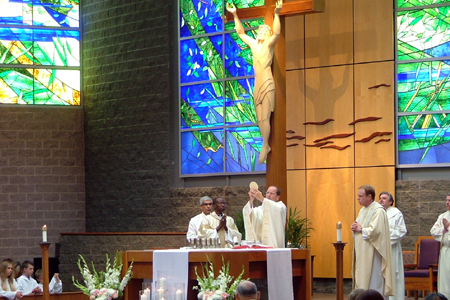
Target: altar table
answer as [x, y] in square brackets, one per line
[254, 262]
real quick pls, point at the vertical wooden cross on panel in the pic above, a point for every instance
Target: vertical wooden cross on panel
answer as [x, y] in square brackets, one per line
[276, 160]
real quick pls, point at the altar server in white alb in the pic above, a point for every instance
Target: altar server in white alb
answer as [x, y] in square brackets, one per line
[218, 225]
[196, 222]
[398, 231]
[265, 223]
[26, 283]
[440, 232]
[8, 286]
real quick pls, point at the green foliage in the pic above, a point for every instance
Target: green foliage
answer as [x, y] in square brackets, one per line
[239, 221]
[297, 229]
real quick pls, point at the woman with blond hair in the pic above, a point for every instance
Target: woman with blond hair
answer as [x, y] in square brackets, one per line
[8, 286]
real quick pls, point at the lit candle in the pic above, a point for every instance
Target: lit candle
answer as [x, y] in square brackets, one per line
[162, 283]
[44, 233]
[179, 295]
[143, 297]
[161, 293]
[339, 234]
[147, 294]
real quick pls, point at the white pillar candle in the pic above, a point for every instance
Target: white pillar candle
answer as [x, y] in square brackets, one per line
[162, 283]
[147, 294]
[160, 293]
[179, 295]
[44, 233]
[339, 233]
[143, 297]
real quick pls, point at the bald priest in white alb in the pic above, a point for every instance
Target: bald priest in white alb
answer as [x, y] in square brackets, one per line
[266, 222]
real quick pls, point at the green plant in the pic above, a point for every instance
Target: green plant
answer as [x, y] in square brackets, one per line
[297, 229]
[239, 221]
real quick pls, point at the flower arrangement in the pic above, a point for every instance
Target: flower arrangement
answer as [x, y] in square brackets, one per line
[103, 285]
[219, 288]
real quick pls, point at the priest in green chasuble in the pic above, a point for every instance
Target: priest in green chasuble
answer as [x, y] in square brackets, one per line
[372, 257]
[218, 225]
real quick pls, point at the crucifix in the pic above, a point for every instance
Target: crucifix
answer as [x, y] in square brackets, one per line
[276, 157]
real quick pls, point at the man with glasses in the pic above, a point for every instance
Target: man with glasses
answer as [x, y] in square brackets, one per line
[266, 222]
[196, 222]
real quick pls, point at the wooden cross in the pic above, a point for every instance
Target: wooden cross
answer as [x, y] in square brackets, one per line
[276, 173]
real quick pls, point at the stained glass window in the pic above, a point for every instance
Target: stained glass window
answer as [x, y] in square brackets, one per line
[423, 70]
[219, 134]
[40, 52]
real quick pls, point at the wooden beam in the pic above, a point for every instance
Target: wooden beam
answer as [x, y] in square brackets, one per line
[292, 8]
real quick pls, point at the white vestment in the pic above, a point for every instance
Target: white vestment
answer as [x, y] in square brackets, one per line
[372, 256]
[26, 284]
[208, 230]
[194, 226]
[266, 223]
[437, 231]
[398, 231]
[54, 287]
[7, 293]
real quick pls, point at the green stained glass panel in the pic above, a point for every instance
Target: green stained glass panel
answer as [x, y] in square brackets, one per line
[200, 17]
[243, 149]
[239, 107]
[40, 86]
[424, 139]
[423, 33]
[247, 3]
[423, 86]
[412, 3]
[246, 24]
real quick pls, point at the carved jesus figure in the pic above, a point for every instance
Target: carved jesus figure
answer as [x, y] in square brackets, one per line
[262, 48]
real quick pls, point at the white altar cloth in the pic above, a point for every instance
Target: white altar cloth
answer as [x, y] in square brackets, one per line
[175, 266]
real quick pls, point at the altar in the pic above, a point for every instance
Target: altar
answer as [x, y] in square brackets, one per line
[253, 261]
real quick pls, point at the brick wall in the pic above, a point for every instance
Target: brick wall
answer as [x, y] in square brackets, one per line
[126, 59]
[41, 177]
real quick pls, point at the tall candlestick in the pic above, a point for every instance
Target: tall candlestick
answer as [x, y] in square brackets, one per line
[44, 233]
[339, 234]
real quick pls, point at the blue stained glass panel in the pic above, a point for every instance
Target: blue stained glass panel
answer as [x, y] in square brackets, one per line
[243, 148]
[202, 152]
[238, 58]
[239, 105]
[201, 59]
[202, 105]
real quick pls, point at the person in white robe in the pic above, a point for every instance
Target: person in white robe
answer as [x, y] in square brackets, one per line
[397, 229]
[26, 283]
[55, 285]
[265, 223]
[196, 222]
[218, 225]
[372, 255]
[440, 232]
[8, 286]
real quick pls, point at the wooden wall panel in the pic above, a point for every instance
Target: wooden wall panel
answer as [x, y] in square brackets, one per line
[295, 42]
[295, 117]
[374, 30]
[329, 94]
[381, 178]
[375, 102]
[330, 195]
[329, 35]
[296, 196]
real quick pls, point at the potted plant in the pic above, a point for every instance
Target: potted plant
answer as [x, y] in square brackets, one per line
[297, 229]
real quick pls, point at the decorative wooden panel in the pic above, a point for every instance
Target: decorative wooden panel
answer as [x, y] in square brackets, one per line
[375, 102]
[295, 40]
[381, 178]
[374, 31]
[296, 196]
[330, 195]
[329, 95]
[295, 117]
[329, 35]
